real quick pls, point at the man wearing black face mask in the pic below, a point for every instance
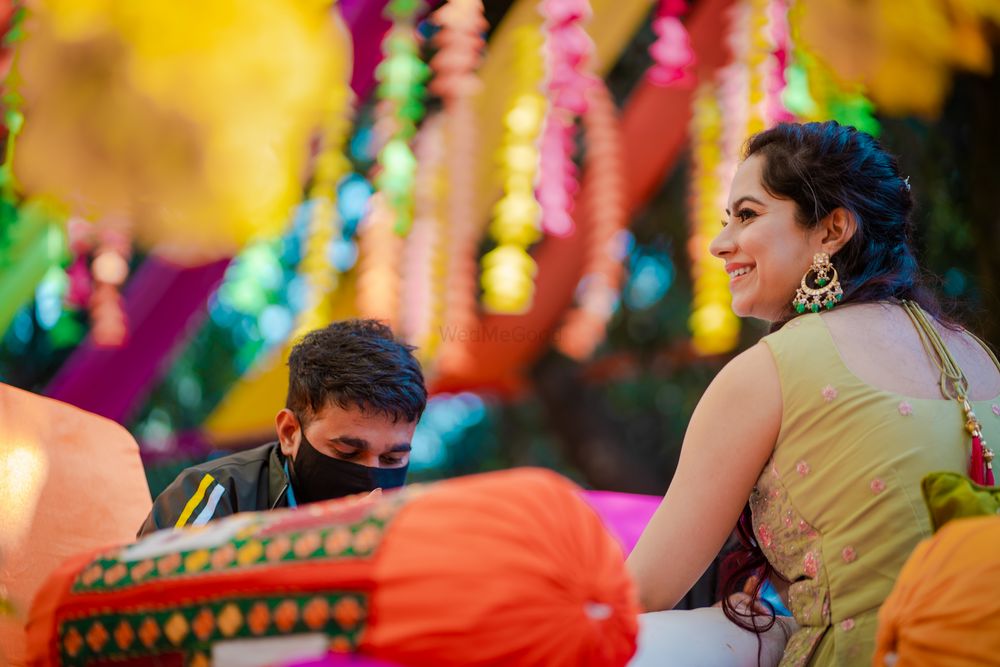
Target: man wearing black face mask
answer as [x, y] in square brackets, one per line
[355, 395]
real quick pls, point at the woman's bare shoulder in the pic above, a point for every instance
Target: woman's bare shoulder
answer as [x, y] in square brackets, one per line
[881, 345]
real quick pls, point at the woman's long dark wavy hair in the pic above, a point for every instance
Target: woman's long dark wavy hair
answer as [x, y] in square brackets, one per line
[822, 167]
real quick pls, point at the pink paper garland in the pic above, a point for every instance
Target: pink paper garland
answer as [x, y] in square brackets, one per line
[673, 57]
[782, 41]
[568, 51]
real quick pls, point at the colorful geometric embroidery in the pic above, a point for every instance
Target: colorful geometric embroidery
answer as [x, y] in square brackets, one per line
[192, 629]
[260, 545]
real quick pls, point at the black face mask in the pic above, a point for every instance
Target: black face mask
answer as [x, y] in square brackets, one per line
[316, 476]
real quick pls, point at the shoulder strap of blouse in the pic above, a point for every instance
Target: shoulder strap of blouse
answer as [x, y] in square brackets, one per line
[952, 381]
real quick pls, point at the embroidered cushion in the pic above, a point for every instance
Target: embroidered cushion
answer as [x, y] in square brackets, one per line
[506, 568]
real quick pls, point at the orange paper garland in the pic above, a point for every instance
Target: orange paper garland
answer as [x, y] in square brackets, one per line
[604, 214]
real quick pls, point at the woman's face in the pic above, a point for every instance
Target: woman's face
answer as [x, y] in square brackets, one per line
[765, 250]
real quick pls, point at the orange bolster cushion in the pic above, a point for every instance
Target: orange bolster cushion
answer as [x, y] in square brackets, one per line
[944, 610]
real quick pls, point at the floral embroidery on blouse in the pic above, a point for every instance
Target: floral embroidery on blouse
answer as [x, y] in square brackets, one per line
[848, 554]
[793, 547]
[905, 409]
[802, 468]
[810, 565]
[877, 486]
[829, 393]
[847, 624]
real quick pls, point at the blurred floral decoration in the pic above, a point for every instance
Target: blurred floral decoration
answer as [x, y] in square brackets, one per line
[584, 326]
[671, 52]
[200, 135]
[453, 298]
[422, 274]
[199, 115]
[381, 252]
[900, 53]
[568, 81]
[32, 242]
[814, 92]
[319, 268]
[715, 329]
[399, 108]
[401, 90]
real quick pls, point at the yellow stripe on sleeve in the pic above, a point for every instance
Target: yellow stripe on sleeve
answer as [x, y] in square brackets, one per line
[195, 500]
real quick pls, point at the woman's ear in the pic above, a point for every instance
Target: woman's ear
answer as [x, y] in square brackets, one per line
[837, 228]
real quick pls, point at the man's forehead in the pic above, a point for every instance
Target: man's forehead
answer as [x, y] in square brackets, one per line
[376, 428]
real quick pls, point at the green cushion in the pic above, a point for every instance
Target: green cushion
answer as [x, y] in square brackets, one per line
[950, 495]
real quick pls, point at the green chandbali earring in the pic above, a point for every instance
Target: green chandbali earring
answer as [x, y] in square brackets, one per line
[827, 292]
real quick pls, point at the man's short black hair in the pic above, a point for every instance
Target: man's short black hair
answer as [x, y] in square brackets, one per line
[355, 363]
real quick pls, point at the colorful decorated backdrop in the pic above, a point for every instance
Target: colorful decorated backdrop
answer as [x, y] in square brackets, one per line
[186, 189]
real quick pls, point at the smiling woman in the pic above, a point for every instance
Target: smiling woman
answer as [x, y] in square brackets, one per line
[827, 426]
[764, 245]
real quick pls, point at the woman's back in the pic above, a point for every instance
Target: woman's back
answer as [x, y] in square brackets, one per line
[838, 508]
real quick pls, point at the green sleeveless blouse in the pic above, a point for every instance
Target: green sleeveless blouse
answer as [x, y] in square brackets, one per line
[838, 507]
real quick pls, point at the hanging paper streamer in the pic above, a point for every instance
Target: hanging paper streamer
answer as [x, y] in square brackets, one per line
[421, 303]
[672, 56]
[460, 43]
[753, 84]
[734, 96]
[605, 212]
[721, 120]
[401, 77]
[109, 269]
[324, 221]
[733, 91]
[508, 270]
[380, 249]
[765, 23]
[755, 59]
[11, 15]
[568, 50]
[714, 327]
[557, 183]
[776, 82]
[80, 236]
